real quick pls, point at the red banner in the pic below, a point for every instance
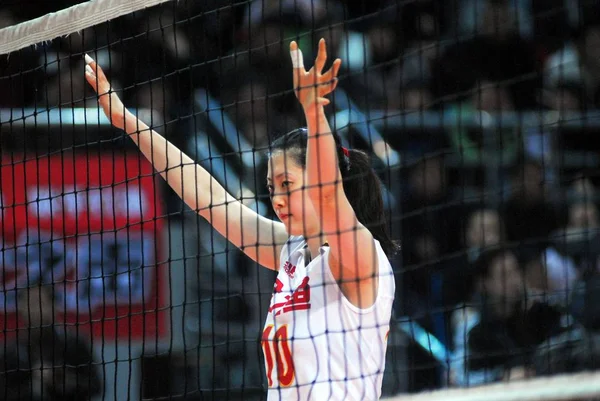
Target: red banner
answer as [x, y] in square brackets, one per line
[90, 225]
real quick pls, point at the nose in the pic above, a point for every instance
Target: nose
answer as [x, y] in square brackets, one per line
[279, 199]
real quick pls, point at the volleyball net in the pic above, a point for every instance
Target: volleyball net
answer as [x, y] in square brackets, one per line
[479, 117]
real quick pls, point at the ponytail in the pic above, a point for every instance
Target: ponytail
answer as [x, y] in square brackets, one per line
[363, 189]
[361, 184]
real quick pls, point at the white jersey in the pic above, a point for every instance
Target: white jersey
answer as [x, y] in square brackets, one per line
[317, 345]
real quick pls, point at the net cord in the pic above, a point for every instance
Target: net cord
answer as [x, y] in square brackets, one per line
[67, 21]
[580, 386]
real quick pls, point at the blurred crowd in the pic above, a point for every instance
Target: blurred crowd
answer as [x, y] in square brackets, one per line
[506, 277]
[47, 361]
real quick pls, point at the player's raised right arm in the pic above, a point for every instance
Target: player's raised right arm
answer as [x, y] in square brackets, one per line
[258, 237]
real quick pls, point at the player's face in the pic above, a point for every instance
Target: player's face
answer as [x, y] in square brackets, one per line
[285, 180]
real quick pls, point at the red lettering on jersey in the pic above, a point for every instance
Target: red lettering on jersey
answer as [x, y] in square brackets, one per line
[299, 300]
[278, 286]
[289, 268]
[283, 356]
[278, 351]
[266, 344]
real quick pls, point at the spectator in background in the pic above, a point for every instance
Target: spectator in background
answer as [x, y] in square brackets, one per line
[382, 43]
[570, 353]
[415, 96]
[542, 142]
[498, 274]
[489, 96]
[571, 253]
[409, 97]
[305, 11]
[374, 68]
[484, 229]
[583, 215]
[428, 215]
[566, 96]
[469, 21]
[585, 301]
[267, 23]
[582, 242]
[253, 80]
[255, 111]
[553, 274]
[258, 54]
[209, 33]
[427, 190]
[578, 238]
[583, 187]
[401, 56]
[530, 217]
[422, 28]
[498, 54]
[46, 362]
[503, 327]
[578, 61]
[248, 106]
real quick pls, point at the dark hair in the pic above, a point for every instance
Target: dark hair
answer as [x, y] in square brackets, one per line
[361, 184]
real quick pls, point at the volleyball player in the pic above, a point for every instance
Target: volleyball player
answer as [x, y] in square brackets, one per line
[326, 330]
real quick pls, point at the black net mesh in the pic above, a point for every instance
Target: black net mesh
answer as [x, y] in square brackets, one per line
[477, 116]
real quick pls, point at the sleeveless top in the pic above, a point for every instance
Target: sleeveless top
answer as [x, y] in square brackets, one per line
[317, 345]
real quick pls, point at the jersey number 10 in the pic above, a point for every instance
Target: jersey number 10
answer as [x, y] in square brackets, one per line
[278, 354]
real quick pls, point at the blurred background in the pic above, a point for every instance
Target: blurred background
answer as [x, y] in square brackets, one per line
[479, 115]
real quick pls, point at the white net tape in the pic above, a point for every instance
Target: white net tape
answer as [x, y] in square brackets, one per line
[67, 21]
[580, 386]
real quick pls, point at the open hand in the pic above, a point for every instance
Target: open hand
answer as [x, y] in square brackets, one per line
[108, 99]
[312, 86]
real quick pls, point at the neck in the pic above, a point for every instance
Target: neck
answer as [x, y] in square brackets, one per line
[314, 243]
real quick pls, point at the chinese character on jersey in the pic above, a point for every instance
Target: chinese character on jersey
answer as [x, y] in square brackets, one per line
[298, 300]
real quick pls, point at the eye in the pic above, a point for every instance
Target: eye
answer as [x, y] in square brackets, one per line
[270, 188]
[285, 184]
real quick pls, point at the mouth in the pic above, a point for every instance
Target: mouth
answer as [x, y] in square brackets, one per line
[283, 216]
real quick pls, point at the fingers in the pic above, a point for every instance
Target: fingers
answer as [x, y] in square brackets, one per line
[90, 68]
[332, 73]
[336, 67]
[322, 101]
[298, 60]
[95, 76]
[296, 54]
[321, 56]
[90, 76]
[334, 85]
[311, 86]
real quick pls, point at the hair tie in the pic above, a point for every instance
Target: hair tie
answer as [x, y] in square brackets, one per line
[346, 151]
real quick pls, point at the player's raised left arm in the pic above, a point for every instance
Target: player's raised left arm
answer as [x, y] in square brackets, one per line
[355, 260]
